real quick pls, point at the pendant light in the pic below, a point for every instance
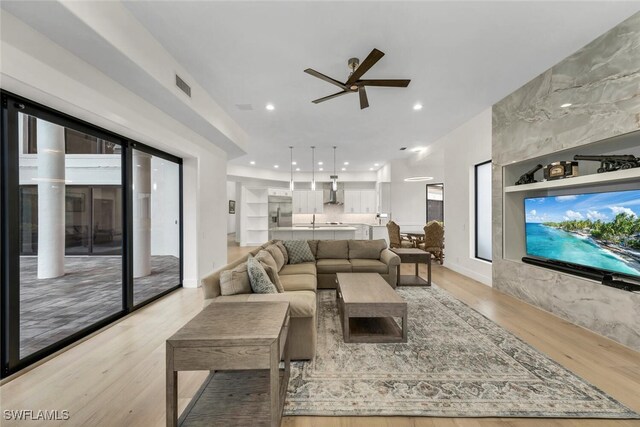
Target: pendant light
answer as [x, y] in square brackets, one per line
[313, 168]
[291, 184]
[334, 177]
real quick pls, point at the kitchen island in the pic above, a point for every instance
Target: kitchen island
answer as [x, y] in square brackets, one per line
[312, 233]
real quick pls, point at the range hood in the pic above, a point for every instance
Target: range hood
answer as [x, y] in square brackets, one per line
[332, 197]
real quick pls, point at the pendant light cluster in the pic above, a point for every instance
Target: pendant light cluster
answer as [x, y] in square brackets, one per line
[313, 168]
[334, 177]
[291, 184]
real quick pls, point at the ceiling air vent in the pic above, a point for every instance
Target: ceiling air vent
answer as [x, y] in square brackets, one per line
[403, 148]
[183, 86]
[244, 107]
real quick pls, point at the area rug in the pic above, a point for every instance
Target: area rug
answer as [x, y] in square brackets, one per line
[456, 363]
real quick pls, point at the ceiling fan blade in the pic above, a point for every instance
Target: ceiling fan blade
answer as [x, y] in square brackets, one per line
[389, 83]
[364, 66]
[364, 102]
[326, 98]
[325, 78]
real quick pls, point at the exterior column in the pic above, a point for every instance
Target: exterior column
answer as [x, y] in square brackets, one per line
[51, 200]
[141, 214]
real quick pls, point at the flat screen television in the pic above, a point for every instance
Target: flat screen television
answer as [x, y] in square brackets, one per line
[596, 230]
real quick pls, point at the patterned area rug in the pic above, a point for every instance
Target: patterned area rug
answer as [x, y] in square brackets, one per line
[456, 363]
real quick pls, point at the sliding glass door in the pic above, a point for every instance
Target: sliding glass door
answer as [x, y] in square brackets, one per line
[91, 229]
[156, 225]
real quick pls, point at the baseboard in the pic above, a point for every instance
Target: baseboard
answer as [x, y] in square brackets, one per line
[190, 283]
[469, 273]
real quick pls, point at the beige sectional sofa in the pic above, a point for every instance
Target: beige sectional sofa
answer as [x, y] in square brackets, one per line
[300, 282]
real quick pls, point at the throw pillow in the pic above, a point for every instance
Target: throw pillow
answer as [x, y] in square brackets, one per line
[366, 249]
[266, 258]
[235, 281]
[333, 249]
[284, 251]
[260, 283]
[277, 255]
[313, 245]
[273, 276]
[298, 251]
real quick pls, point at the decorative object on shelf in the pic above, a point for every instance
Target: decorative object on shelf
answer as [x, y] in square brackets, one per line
[232, 206]
[527, 177]
[558, 170]
[610, 163]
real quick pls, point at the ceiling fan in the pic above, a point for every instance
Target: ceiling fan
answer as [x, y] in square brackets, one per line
[353, 83]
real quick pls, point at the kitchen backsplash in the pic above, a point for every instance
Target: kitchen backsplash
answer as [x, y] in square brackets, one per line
[335, 213]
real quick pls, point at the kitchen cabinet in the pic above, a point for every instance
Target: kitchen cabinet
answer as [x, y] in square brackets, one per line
[359, 201]
[307, 202]
[351, 201]
[279, 192]
[300, 201]
[368, 201]
[314, 202]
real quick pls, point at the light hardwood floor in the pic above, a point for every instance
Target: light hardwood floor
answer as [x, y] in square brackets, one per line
[116, 378]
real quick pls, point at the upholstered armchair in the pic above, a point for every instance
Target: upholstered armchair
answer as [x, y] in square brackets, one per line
[434, 240]
[396, 240]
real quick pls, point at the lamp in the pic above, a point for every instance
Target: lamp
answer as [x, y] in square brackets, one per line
[334, 177]
[291, 184]
[313, 168]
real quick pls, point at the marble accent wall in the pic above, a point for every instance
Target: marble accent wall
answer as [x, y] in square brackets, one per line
[602, 82]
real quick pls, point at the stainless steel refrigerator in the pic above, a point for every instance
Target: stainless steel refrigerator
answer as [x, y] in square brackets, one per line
[280, 211]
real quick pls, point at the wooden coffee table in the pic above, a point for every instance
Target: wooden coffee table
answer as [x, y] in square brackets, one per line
[244, 342]
[413, 256]
[367, 306]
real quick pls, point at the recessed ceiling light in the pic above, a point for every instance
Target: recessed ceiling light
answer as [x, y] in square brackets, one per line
[252, 162]
[346, 163]
[276, 166]
[418, 178]
[294, 163]
[321, 169]
[320, 163]
[344, 169]
[297, 169]
[417, 107]
[376, 164]
[370, 169]
[270, 107]
[417, 149]
[568, 104]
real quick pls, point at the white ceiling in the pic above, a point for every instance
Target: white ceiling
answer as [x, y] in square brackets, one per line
[461, 57]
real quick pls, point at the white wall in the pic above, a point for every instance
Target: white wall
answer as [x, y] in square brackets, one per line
[36, 68]
[231, 218]
[450, 160]
[465, 147]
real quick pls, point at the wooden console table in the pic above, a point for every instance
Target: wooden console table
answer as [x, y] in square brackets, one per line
[244, 342]
[415, 256]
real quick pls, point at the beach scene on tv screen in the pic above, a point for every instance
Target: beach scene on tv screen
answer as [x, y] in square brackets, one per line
[600, 230]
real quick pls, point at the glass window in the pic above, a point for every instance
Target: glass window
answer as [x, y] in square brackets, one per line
[63, 218]
[483, 210]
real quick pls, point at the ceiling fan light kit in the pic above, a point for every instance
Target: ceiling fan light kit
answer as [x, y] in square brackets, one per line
[353, 83]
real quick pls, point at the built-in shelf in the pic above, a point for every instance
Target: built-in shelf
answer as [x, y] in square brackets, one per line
[579, 181]
[254, 222]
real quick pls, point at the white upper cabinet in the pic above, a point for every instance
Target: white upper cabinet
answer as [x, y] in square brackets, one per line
[359, 201]
[307, 202]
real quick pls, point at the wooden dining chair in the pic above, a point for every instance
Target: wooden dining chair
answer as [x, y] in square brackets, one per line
[434, 240]
[395, 238]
